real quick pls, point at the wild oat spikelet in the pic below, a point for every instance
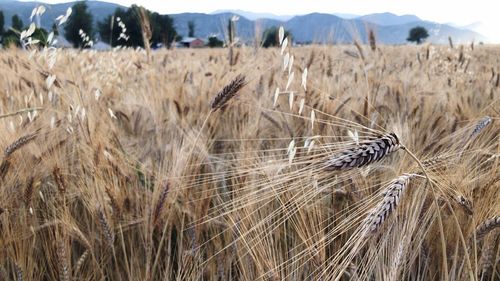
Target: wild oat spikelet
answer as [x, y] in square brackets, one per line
[487, 226]
[228, 92]
[18, 144]
[392, 195]
[364, 154]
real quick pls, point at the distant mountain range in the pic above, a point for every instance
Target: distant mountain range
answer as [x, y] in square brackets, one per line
[311, 28]
[328, 28]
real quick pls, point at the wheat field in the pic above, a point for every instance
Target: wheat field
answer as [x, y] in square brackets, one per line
[341, 163]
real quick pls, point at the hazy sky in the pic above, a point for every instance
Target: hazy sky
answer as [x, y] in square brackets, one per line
[443, 11]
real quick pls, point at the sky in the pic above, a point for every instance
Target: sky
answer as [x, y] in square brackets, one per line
[443, 11]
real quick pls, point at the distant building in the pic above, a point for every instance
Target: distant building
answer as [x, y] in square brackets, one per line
[192, 42]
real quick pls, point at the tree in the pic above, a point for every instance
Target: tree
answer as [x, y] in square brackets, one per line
[10, 37]
[2, 23]
[41, 35]
[191, 27]
[17, 23]
[270, 37]
[55, 29]
[214, 42]
[417, 34]
[162, 28]
[80, 19]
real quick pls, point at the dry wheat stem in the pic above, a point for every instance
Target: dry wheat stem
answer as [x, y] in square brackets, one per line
[20, 112]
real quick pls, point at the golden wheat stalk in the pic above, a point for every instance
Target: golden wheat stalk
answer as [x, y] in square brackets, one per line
[364, 154]
[62, 258]
[80, 262]
[161, 202]
[487, 226]
[228, 92]
[487, 259]
[22, 141]
[105, 227]
[392, 196]
[481, 124]
[373, 42]
[28, 193]
[58, 178]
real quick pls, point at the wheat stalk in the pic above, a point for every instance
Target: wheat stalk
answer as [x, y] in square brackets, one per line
[487, 259]
[80, 261]
[18, 144]
[114, 203]
[483, 123]
[63, 261]
[105, 227]
[61, 185]
[161, 202]
[28, 193]
[19, 272]
[228, 92]
[364, 154]
[392, 196]
[487, 226]
[373, 42]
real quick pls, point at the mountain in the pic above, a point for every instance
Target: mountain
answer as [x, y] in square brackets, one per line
[387, 19]
[325, 28]
[98, 9]
[254, 16]
[322, 28]
[209, 25]
[311, 28]
[346, 16]
[438, 33]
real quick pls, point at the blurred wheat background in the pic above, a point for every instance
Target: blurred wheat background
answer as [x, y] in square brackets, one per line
[117, 167]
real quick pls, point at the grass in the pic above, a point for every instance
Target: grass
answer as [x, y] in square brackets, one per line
[119, 168]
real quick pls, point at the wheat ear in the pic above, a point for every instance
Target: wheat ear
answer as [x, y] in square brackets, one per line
[364, 154]
[487, 226]
[228, 92]
[392, 196]
[18, 144]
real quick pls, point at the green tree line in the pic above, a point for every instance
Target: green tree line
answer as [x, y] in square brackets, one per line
[121, 28]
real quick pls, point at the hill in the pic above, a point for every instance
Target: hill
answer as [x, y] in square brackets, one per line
[387, 19]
